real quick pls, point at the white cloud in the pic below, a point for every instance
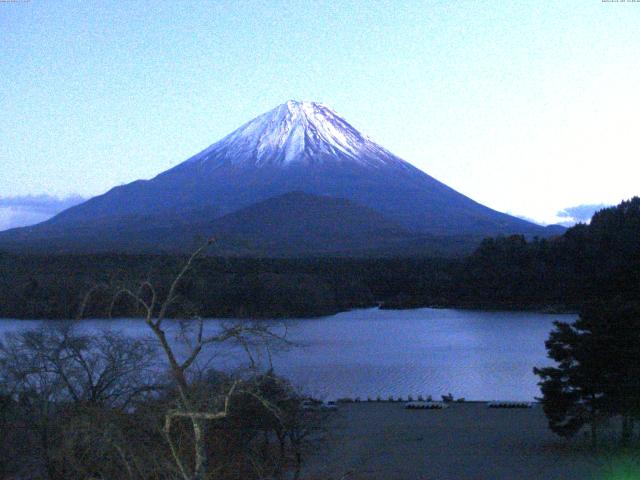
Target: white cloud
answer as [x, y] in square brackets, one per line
[580, 213]
[21, 211]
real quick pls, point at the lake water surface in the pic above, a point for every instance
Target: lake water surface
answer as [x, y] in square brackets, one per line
[368, 353]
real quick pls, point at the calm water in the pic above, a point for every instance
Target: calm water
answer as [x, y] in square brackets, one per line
[369, 353]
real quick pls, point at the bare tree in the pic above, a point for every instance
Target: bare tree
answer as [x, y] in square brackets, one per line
[109, 369]
[57, 377]
[190, 404]
[105, 405]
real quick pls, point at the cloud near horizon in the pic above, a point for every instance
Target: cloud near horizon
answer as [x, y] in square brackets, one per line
[567, 217]
[21, 211]
[580, 213]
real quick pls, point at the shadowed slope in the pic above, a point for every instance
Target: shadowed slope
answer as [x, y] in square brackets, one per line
[296, 147]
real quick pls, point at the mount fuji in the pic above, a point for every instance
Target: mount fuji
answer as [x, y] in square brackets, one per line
[297, 152]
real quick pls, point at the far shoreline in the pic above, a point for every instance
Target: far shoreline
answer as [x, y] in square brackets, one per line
[492, 307]
[507, 308]
[502, 307]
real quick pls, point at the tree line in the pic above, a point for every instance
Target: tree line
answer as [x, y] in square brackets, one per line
[53, 286]
[595, 262]
[598, 261]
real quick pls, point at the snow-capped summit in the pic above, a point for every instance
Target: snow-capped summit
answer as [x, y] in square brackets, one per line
[295, 132]
[276, 161]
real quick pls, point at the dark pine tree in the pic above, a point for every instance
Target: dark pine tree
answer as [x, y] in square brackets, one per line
[598, 370]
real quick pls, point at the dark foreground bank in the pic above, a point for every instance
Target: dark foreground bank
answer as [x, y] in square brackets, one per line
[465, 441]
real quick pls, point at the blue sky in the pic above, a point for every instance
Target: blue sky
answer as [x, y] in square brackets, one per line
[527, 107]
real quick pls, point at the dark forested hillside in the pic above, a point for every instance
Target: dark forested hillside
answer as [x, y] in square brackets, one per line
[292, 225]
[54, 286]
[599, 261]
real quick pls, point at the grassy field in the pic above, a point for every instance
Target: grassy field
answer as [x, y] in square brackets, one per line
[466, 441]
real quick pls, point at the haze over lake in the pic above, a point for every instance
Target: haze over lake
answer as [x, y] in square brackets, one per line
[478, 355]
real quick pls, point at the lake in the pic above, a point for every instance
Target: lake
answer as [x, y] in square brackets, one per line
[478, 355]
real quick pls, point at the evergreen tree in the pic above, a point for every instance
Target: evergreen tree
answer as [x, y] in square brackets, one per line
[572, 392]
[597, 373]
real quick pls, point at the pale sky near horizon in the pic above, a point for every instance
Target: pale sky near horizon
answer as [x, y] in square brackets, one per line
[526, 107]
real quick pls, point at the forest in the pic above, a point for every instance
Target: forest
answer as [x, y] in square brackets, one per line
[589, 262]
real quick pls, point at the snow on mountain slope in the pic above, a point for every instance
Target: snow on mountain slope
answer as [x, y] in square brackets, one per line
[296, 147]
[295, 133]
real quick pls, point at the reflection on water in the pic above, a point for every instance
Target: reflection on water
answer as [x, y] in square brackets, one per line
[370, 353]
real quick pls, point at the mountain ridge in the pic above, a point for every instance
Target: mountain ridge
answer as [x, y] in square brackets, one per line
[295, 147]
